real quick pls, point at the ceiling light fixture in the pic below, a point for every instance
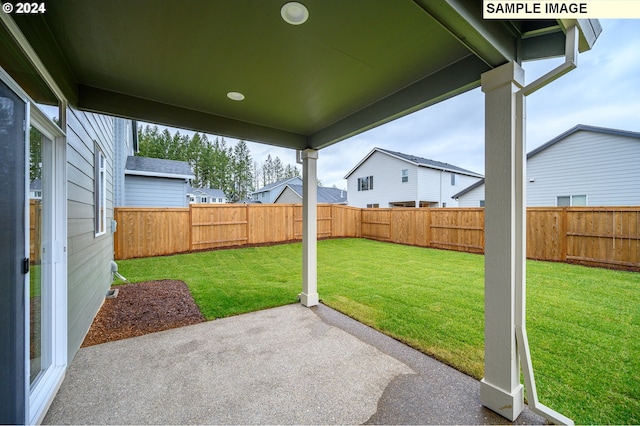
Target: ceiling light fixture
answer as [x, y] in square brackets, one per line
[235, 96]
[294, 13]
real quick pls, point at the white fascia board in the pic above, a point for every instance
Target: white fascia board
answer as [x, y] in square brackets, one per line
[157, 174]
[445, 169]
[370, 154]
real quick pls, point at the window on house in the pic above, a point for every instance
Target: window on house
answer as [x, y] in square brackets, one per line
[365, 183]
[100, 195]
[453, 179]
[373, 206]
[481, 203]
[571, 200]
[405, 175]
[203, 199]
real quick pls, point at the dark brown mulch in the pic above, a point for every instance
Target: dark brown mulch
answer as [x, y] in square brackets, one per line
[143, 308]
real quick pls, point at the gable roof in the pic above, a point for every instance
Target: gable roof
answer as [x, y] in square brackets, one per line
[275, 184]
[157, 167]
[210, 192]
[584, 127]
[417, 161]
[579, 127]
[325, 195]
[468, 188]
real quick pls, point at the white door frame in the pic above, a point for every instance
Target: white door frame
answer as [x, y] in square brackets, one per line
[45, 388]
[38, 399]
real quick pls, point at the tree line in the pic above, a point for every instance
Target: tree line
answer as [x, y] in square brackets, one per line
[215, 164]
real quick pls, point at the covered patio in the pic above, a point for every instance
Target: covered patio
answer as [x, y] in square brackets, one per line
[287, 365]
[306, 76]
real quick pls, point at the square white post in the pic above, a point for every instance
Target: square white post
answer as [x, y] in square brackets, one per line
[501, 390]
[309, 296]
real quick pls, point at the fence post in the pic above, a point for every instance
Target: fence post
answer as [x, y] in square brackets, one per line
[562, 233]
[190, 231]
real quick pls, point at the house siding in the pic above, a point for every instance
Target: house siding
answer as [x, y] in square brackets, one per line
[472, 198]
[123, 147]
[387, 181]
[148, 191]
[288, 196]
[601, 166]
[425, 184]
[269, 195]
[88, 256]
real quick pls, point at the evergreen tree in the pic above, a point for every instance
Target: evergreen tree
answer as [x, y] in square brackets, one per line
[242, 174]
[278, 169]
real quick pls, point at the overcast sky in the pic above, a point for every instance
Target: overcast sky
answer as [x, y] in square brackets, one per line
[603, 91]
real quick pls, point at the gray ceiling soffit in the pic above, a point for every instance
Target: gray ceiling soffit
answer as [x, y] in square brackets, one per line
[437, 87]
[117, 104]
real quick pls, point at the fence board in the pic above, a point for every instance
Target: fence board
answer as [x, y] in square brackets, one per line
[221, 225]
[545, 233]
[35, 231]
[270, 223]
[346, 221]
[150, 232]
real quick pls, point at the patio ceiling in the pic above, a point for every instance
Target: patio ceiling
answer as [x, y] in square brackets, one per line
[352, 66]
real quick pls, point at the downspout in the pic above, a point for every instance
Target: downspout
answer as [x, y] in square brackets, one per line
[522, 343]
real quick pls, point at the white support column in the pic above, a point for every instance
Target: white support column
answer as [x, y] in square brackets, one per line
[500, 389]
[309, 295]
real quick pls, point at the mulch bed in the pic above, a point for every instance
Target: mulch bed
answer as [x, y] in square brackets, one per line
[143, 308]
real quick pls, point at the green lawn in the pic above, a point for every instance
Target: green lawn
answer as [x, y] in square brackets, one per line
[583, 323]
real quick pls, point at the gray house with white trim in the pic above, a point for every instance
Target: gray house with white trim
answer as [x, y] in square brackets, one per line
[292, 194]
[268, 193]
[155, 182]
[584, 166]
[206, 196]
[386, 178]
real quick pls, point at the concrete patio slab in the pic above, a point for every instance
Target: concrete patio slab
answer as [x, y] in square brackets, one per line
[287, 365]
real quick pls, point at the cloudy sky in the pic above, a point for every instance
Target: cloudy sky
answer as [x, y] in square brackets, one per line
[603, 91]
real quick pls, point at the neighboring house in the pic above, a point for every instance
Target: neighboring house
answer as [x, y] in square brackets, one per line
[206, 196]
[125, 137]
[268, 193]
[292, 194]
[584, 166]
[386, 178]
[35, 189]
[154, 182]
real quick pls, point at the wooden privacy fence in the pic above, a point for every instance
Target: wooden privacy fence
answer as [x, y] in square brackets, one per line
[146, 232]
[599, 236]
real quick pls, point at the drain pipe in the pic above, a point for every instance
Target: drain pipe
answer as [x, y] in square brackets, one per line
[522, 343]
[114, 270]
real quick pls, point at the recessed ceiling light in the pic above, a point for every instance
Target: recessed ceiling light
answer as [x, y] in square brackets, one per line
[235, 96]
[294, 13]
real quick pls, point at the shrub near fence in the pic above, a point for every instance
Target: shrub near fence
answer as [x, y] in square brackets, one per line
[599, 236]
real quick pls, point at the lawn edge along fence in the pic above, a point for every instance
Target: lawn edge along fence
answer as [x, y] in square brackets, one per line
[598, 236]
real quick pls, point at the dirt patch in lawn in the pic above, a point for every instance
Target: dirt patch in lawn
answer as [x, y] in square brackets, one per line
[143, 308]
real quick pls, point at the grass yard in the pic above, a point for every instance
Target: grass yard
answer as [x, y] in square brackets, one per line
[583, 323]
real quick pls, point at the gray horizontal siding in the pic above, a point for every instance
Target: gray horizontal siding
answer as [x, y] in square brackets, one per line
[88, 256]
[289, 197]
[601, 166]
[147, 191]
